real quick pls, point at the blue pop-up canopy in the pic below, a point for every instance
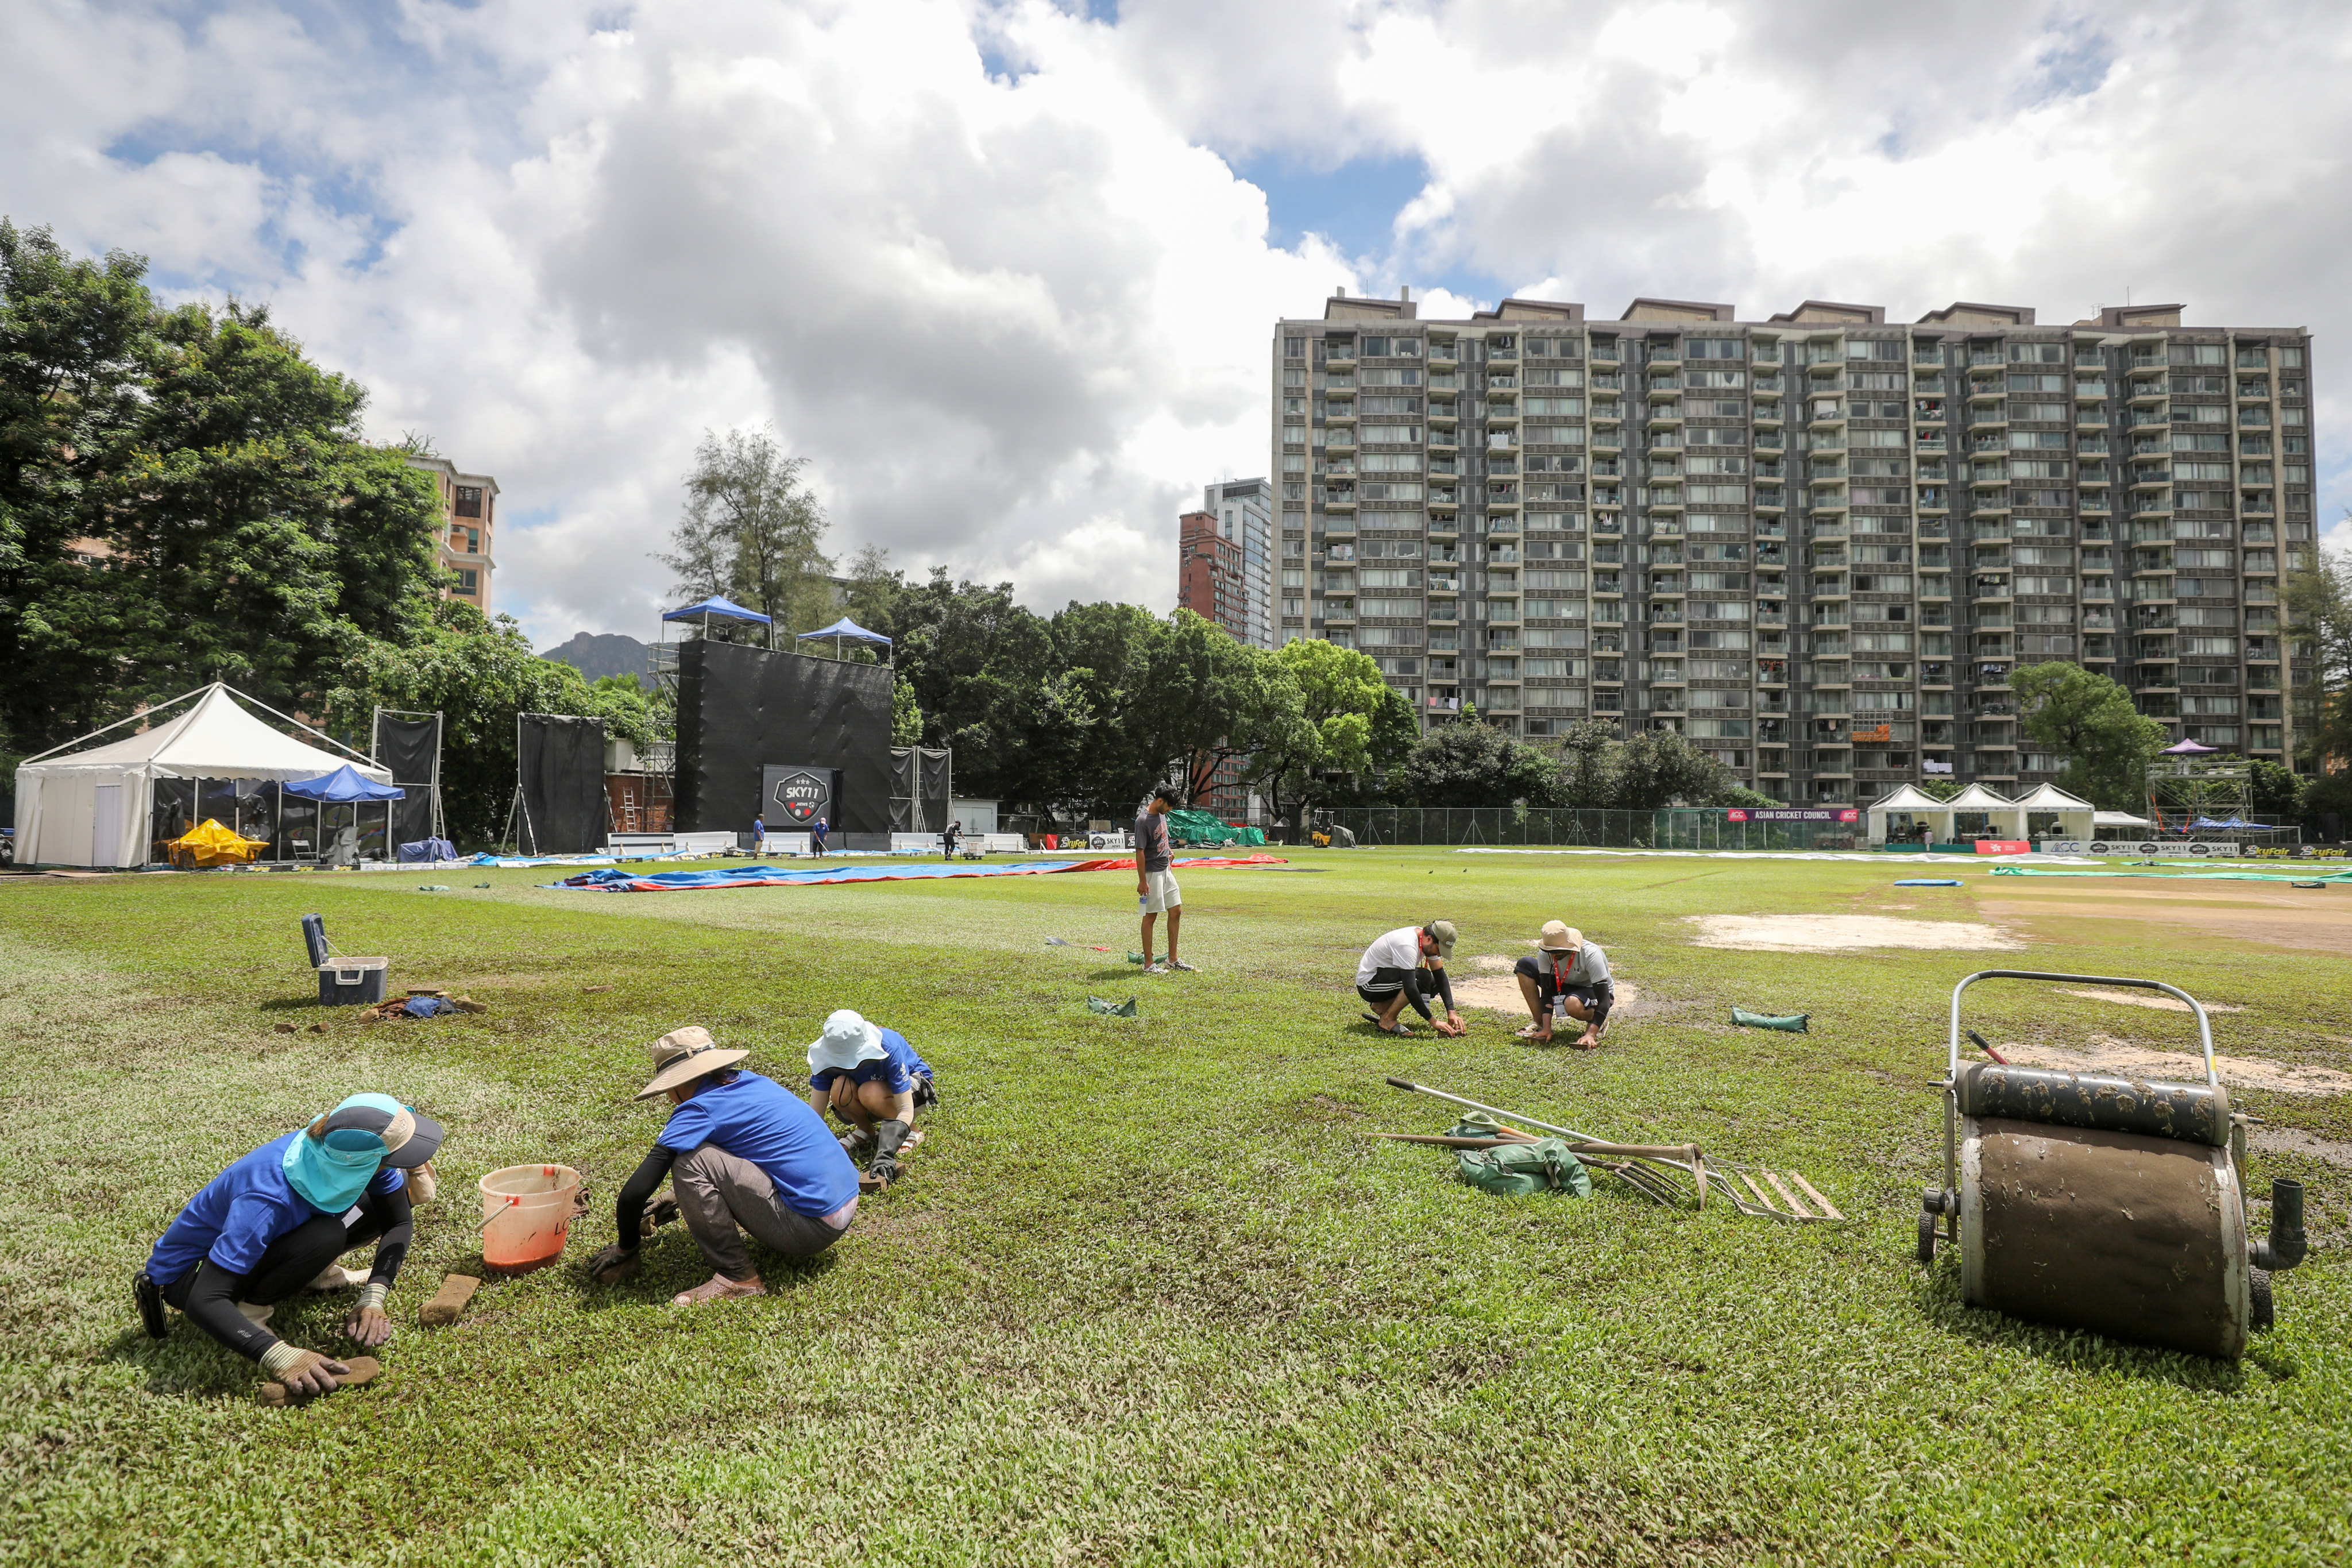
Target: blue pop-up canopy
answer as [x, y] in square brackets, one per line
[845, 630]
[720, 607]
[343, 785]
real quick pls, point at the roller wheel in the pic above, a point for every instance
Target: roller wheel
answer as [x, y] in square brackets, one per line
[2260, 1312]
[1928, 1244]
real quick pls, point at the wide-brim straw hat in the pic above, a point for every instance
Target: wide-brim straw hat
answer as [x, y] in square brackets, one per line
[1559, 936]
[848, 1039]
[684, 1055]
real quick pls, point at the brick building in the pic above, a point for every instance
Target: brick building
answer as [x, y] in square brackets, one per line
[468, 513]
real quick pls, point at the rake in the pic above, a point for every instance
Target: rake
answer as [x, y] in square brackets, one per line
[1663, 1173]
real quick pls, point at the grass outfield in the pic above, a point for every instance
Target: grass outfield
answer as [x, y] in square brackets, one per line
[1146, 1296]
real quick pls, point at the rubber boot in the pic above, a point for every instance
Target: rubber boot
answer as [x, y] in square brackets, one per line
[890, 1137]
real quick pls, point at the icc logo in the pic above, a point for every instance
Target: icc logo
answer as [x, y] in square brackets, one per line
[800, 796]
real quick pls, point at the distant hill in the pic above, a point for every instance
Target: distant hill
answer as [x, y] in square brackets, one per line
[597, 654]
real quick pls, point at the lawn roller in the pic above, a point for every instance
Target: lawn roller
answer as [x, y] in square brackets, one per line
[2109, 1204]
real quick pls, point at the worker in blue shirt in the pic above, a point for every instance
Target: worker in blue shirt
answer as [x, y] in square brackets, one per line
[741, 1151]
[274, 1222]
[872, 1081]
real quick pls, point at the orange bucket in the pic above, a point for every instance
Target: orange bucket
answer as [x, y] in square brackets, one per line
[527, 1215]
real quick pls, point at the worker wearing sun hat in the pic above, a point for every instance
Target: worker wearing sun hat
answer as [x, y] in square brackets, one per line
[274, 1222]
[870, 1078]
[1565, 977]
[741, 1151]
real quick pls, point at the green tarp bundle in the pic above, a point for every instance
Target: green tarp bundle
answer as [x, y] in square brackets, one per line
[1115, 1009]
[1520, 1170]
[1794, 1023]
[1206, 827]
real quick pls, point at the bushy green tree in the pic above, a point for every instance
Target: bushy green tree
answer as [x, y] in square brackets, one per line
[183, 497]
[2091, 721]
[1350, 722]
[1467, 763]
[2319, 610]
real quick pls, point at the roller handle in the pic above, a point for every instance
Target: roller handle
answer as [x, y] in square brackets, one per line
[1404, 1083]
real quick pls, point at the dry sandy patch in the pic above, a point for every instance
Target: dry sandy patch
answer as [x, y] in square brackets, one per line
[1841, 933]
[2147, 999]
[1500, 994]
[2107, 1055]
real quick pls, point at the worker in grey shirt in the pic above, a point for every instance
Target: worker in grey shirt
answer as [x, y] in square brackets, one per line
[1155, 883]
[1566, 982]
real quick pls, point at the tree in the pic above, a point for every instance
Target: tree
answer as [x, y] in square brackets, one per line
[2091, 721]
[2275, 790]
[1657, 768]
[1590, 752]
[2319, 619]
[752, 531]
[1351, 720]
[1204, 698]
[479, 674]
[184, 496]
[1471, 763]
[906, 713]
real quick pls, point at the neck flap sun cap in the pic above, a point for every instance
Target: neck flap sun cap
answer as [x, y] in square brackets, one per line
[847, 1040]
[684, 1055]
[330, 1163]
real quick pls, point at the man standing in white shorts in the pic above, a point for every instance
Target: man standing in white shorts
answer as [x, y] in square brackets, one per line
[1155, 884]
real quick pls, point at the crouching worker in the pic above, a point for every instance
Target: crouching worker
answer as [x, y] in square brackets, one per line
[1564, 983]
[1408, 965]
[273, 1225]
[872, 1081]
[740, 1151]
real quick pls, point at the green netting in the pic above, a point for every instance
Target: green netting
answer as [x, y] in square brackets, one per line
[1207, 827]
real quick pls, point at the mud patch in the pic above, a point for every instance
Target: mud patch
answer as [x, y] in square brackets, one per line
[2147, 999]
[1500, 994]
[2108, 1055]
[1844, 933]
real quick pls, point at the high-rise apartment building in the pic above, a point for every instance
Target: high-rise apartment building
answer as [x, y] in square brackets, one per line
[1241, 514]
[1818, 543]
[1209, 578]
[469, 508]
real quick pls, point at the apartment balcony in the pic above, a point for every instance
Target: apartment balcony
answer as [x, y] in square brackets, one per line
[1443, 419]
[2149, 393]
[1993, 419]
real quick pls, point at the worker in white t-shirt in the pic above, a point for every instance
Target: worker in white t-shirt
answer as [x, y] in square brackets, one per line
[1408, 965]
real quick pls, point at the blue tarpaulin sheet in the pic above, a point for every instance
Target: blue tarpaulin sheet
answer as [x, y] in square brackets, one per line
[616, 880]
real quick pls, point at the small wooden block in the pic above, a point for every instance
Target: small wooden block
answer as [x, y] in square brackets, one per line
[448, 1303]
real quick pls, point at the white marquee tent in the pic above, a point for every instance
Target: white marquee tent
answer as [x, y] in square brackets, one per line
[95, 808]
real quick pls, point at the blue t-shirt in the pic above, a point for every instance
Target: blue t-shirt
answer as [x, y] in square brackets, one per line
[895, 1071]
[757, 1119]
[240, 1212]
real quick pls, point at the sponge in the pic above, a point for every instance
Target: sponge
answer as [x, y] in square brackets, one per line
[448, 1303]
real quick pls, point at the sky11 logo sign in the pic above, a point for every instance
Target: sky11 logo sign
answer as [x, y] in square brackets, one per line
[801, 796]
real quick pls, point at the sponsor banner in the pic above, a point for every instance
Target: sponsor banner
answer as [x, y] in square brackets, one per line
[2003, 846]
[1792, 814]
[2142, 848]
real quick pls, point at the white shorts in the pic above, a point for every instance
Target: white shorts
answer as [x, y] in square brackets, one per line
[1164, 894]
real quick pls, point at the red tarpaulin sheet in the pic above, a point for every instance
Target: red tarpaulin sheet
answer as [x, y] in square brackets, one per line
[615, 880]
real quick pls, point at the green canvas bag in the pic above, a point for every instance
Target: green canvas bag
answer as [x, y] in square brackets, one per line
[1518, 1169]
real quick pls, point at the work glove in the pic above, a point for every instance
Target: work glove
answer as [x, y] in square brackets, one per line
[661, 1211]
[297, 1373]
[368, 1324]
[612, 1266]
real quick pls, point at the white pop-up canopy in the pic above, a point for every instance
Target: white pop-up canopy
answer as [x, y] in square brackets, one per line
[1908, 800]
[2074, 813]
[95, 807]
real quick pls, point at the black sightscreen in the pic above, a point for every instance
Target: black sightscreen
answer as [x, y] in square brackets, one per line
[560, 764]
[742, 708]
[410, 746]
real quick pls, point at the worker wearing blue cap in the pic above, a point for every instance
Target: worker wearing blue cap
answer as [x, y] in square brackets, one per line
[274, 1224]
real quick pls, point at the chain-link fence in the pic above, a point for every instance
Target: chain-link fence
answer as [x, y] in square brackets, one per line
[1672, 827]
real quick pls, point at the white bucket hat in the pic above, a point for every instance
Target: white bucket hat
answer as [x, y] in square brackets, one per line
[847, 1040]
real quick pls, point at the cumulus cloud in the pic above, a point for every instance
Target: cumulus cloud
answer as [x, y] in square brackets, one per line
[990, 267]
